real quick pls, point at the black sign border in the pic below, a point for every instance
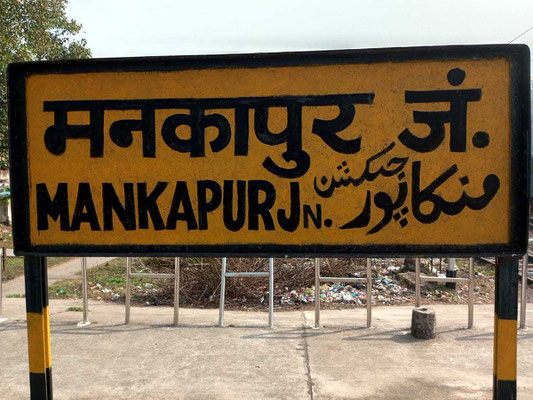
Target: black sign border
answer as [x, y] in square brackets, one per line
[517, 54]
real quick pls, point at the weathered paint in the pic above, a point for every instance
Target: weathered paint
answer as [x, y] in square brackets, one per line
[506, 366]
[36, 342]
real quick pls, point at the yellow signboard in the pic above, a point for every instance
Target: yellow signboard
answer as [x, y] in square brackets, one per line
[356, 152]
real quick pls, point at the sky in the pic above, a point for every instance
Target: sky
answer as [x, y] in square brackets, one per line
[125, 28]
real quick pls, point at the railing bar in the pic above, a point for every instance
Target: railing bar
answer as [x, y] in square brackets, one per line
[65, 277]
[236, 274]
[176, 289]
[417, 282]
[339, 279]
[426, 278]
[369, 292]
[128, 289]
[523, 297]
[471, 293]
[222, 293]
[317, 292]
[154, 275]
[84, 289]
[271, 293]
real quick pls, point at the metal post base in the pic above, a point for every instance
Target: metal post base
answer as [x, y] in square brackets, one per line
[81, 324]
[3, 320]
[451, 274]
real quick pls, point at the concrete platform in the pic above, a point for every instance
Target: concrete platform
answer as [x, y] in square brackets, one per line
[152, 360]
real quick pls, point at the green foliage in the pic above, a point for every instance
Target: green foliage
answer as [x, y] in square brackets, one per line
[33, 30]
[117, 281]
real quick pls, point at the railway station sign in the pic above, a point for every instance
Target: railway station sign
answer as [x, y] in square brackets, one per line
[371, 152]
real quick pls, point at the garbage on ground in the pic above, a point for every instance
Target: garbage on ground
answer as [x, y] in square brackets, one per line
[385, 290]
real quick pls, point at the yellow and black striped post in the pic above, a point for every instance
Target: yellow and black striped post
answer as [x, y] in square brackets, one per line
[38, 321]
[505, 328]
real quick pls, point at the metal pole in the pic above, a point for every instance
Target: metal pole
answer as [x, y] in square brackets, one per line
[128, 289]
[85, 295]
[38, 326]
[505, 328]
[271, 293]
[176, 289]
[3, 268]
[1, 294]
[451, 272]
[471, 293]
[84, 289]
[369, 293]
[222, 293]
[523, 299]
[417, 282]
[317, 292]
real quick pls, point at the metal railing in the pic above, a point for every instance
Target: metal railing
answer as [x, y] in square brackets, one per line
[524, 287]
[84, 290]
[2, 267]
[470, 281]
[85, 293]
[523, 293]
[323, 279]
[419, 278]
[270, 274]
[175, 276]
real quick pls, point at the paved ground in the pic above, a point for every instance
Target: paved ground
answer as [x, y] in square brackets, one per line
[70, 268]
[151, 360]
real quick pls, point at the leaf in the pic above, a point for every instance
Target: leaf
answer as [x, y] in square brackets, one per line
[33, 30]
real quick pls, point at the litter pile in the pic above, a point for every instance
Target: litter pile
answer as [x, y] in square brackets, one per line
[386, 289]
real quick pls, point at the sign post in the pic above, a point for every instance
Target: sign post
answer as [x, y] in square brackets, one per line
[38, 321]
[505, 327]
[384, 152]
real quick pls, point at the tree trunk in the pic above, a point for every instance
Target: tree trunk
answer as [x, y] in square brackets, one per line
[423, 323]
